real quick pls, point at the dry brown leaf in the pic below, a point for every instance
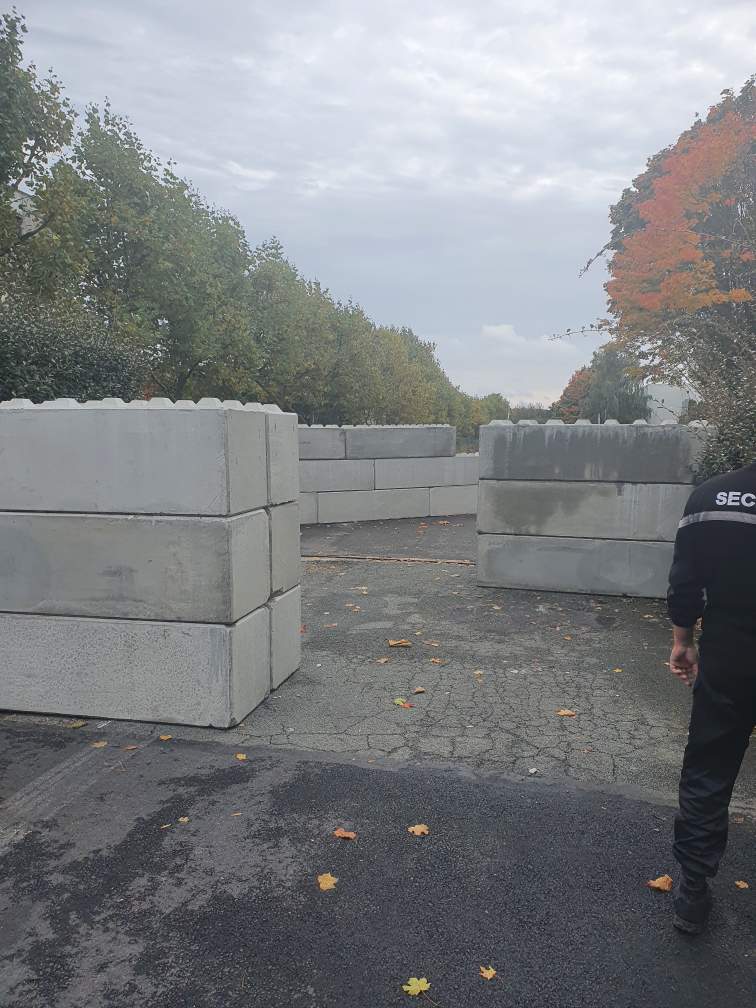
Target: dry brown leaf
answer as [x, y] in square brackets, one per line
[331, 626]
[432, 643]
[737, 819]
[742, 885]
[241, 756]
[327, 881]
[419, 829]
[661, 884]
[166, 825]
[443, 523]
[567, 637]
[406, 705]
[402, 642]
[130, 748]
[419, 689]
[165, 738]
[565, 712]
[235, 813]
[344, 834]
[100, 744]
[76, 724]
[487, 972]
[381, 661]
[437, 661]
[183, 818]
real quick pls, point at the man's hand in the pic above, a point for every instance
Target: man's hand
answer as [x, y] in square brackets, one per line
[683, 661]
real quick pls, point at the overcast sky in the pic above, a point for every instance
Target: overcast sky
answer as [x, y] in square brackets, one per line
[449, 169]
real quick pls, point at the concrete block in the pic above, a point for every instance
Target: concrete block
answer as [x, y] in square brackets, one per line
[318, 442]
[283, 454]
[459, 470]
[372, 505]
[185, 673]
[594, 566]
[454, 500]
[285, 635]
[210, 570]
[285, 562]
[400, 442]
[308, 509]
[140, 458]
[648, 511]
[604, 453]
[336, 474]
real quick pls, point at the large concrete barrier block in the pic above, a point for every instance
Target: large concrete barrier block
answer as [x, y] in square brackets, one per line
[459, 470]
[454, 500]
[371, 505]
[283, 452]
[285, 635]
[400, 441]
[319, 442]
[594, 566]
[614, 453]
[210, 570]
[139, 458]
[308, 509]
[185, 673]
[336, 474]
[285, 557]
[646, 511]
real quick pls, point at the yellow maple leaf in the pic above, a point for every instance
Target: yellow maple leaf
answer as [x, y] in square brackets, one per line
[742, 885]
[416, 985]
[419, 829]
[99, 745]
[327, 881]
[400, 701]
[565, 712]
[166, 738]
[487, 972]
[344, 834]
[241, 756]
[661, 884]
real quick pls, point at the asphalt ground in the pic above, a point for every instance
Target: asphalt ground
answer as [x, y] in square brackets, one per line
[543, 829]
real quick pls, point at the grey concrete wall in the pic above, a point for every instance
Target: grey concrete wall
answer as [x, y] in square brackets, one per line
[319, 442]
[582, 507]
[372, 505]
[453, 500]
[336, 474]
[285, 635]
[400, 441]
[458, 470]
[143, 551]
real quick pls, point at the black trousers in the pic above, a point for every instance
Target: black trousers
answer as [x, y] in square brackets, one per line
[721, 722]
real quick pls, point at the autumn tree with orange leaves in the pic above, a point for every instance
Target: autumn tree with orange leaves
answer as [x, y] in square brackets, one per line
[682, 287]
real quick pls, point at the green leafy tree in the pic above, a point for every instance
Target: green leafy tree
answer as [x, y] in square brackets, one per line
[613, 393]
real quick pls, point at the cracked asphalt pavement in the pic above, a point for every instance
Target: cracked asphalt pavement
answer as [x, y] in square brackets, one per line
[543, 829]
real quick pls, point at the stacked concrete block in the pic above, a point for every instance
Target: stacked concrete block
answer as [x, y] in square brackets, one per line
[149, 558]
[582, 507]
[380, 472]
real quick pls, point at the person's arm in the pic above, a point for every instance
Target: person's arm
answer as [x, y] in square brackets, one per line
[685, 603]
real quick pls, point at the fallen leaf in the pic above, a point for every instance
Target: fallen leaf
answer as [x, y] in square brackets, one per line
[564, 712]
[381, 661]
[99, 745]
[738, 819]
[432, 643]
[487, 972]
[742, 885]
[400, 643]
[166, 738]
[76, 724]
[416, 985]
[327, 881]
[406, 705]
[183, 818]
[331, 626]
[166, 825]
[661, 884]
[533, 770]
[235, 813]
[420, 829]
[616, 670]
[419, 689]
[303, 628]
[241, 756]
[496, 607]
[567, 637]
[437, 661]
[443, 523]
[344, 834]
[130, 748]
[400, 700]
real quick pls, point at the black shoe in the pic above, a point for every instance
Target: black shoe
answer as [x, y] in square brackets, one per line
[692, 901]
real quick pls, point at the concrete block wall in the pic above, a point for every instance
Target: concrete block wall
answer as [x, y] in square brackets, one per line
[149, 558]
[379, 472]
[582, 507]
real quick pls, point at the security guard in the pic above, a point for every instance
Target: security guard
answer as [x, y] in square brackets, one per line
[713, 576]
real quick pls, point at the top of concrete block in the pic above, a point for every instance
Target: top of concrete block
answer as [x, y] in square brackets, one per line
[608, 452]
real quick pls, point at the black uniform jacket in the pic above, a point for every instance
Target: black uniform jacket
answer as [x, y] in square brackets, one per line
[714, 568]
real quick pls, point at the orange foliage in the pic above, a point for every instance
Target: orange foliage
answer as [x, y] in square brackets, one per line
[662, 266]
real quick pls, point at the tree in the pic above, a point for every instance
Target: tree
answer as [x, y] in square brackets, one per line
[52, 350]
[682, 271]
[613, 393]
[571, 404]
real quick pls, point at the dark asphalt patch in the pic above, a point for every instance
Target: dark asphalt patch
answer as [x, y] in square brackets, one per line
[102, 907]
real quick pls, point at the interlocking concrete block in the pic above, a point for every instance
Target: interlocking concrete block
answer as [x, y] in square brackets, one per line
[308, 509]
[285, 562]
[648, 511]
[336, 474]
[372, 505]
[185, 673]
[459, 470]
[285, 635]
[594, 566]
[140, 458]
[400, 442]
[283, 455]
[595, 452]
[209, 570]
[453, 500]
[318, 442]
